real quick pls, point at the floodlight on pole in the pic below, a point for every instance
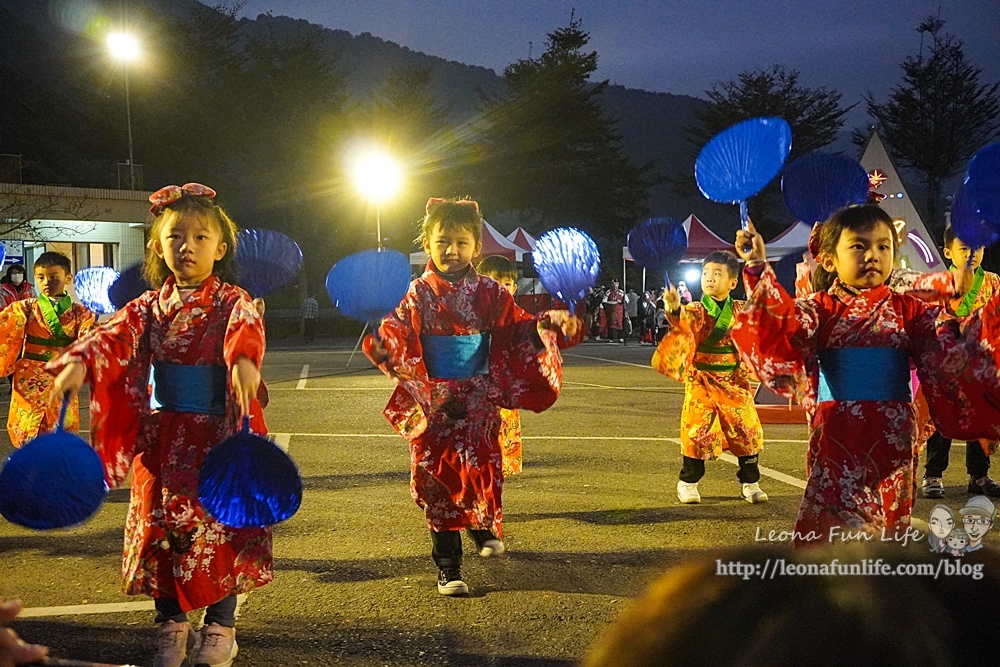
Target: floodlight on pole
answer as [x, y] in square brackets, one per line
[125, 48]
[377, 176]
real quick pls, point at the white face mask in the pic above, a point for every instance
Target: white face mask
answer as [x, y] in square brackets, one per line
[17, 278]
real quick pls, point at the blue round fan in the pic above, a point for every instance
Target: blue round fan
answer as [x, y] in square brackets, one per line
[819, 184]
[982, 184]
[738, 162]
[266, 261]
[658, 244]
[567, 262]
[93, 285]
[968, 225]
[247, 481]
[3, 253]
[368, 285]
[54, 481]
[130, 285]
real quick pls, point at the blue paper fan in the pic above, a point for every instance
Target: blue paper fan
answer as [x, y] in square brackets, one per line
[54, 481]
[368, 285]
[246, 481]
[567, 262]
[3, 253]
[93, 285]
[819, 184]
[658, 244]
[266, 261]
[968, 225]
[982, 184]
[739, 161]
[130, 285]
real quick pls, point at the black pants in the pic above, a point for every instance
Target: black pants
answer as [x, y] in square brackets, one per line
[694, 469]
[977, 464]
[222, 612]
[447, 546]
[309, 329]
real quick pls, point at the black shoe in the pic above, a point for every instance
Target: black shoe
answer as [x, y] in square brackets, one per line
[450, 582]
[984, 486]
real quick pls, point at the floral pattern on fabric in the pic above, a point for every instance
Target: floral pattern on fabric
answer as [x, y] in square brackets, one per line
[862, 455]
[456, 465]
[173, 549]
[718, 411]
[30, 412]
[510, 441]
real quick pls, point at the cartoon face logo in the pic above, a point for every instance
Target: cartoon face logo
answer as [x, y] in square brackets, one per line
[941, 522]
[978, 516]
[956, 542]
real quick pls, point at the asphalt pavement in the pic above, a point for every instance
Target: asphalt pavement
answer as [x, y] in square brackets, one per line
[589, 523]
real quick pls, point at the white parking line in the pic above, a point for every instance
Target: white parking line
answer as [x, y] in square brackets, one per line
[103, 608]
[610, 361]
[303, 376]
[282, 440]
[766, 472]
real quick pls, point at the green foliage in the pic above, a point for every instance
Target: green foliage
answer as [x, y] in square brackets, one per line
[815, 115]
[939, 116]
[549, 148]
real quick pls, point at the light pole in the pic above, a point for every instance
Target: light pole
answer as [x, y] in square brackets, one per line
[125, 48]
[377, 177]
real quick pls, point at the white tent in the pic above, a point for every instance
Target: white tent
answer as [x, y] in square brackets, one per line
[522, 239]
[793, 240]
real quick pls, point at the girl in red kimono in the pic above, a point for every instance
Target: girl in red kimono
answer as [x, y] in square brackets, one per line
[845, 354]
[459, 349]
[204, 340]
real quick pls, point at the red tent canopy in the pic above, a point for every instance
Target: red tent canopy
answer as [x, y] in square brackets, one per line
[702, 240]
[522, 239]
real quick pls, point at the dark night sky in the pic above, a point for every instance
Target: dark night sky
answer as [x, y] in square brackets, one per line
[676, 46]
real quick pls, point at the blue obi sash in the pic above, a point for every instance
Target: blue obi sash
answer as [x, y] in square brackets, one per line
[183, 388]
[864, 374]
[451, 357]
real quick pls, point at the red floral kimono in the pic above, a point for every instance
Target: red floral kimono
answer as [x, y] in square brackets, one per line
[455, 463]
[27, 342]
[863, 453]
[172, 548]
[510, 441]
[718, 411]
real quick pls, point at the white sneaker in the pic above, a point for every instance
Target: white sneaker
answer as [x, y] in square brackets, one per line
[753, 494]
[218, 646]
[687, 493]
[491, 548]
[173, 643]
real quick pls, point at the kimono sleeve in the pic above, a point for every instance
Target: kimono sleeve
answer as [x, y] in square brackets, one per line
[116, 356]
[245, 338]
[399, 333]
[675, 350]
[775, 335]
[13, 320]
[957, 365]
[525, 362]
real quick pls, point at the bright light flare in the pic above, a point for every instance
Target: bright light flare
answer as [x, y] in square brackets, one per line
[692, 276]
[377, 176]
[123, 46]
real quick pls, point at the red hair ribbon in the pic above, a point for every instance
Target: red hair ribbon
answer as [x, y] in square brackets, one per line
[168, 194]
[814, 240]
[434, 201]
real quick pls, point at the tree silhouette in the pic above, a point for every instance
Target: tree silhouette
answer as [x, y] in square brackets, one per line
[939, 116]
[550, 150]
[815, 115]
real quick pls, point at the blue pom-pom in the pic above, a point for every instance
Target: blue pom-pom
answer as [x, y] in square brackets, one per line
[54, 481]
[567, 262]
[739, 161]
[246, 481]
[967, 223]
[93, 288]
[368, 285]
[658, 243]
[819, 184]
[982, 184]
[130, 285]
[266, 261]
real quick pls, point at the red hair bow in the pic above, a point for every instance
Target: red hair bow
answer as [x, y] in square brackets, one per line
[814, 240]
[168, 194]
[434, 201]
